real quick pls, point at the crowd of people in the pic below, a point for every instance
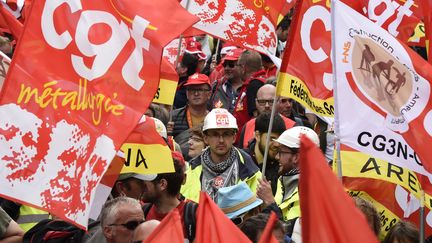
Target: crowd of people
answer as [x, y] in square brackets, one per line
[219, 123]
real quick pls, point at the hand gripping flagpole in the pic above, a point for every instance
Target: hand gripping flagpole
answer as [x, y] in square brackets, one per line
[336, 113]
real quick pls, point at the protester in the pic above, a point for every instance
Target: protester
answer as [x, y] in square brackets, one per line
[264, 102]
[129, 185]
[256, 146]
[196, 142]
[161, 196]
[238, 202]
[225, 90]
[287, 196]
[144, 230]
[254, 226]
[10, 231]
[282, 34]
[403, 232]
[287, 107]
[372, 216]
[187, 66]
[198, 94]
[220, 164]
[119, 218]
[253, 77]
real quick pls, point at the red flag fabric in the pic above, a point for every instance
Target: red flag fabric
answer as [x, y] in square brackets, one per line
[250, 24]
[13, 24]
[306, 70]
[328, 213]
[213, 226]
[169, 230]
[398, 17]
[64, 115]
[267, 235]
[428, 26]
[395, 191]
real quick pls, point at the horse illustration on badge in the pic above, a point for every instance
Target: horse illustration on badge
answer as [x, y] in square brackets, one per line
[386, 82]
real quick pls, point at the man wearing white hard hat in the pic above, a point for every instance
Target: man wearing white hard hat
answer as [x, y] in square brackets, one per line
[220, 164]
[287, 196]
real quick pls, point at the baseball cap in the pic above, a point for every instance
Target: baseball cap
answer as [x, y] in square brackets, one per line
[198, 78]
[194, 47]
[234, 54]
[148, 177]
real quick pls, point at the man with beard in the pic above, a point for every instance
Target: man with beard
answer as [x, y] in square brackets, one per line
[220, 164]
[225, 91]
[256, 146]
[287, 195]
[161, 195]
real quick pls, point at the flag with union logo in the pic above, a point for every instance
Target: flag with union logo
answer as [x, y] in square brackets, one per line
[383, 97]
[83, 74]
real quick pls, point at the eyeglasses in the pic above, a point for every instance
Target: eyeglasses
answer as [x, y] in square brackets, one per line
[224, 135]
[196, 139]
[229, 64]
[198, 90]
[130, 225]
[264, 102]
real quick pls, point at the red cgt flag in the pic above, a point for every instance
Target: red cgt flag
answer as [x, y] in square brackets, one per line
[213, 226]
[267, 235]
[12, 23]
[428, 26]
[83, 74]
[251, 24]
[329, 215]
[169, 230]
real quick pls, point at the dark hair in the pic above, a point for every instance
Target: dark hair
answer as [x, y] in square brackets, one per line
[263, 120]
[256, 224]
[174, 179]
[403, 232]
[370, 212]
[190, 61]
[197, 131]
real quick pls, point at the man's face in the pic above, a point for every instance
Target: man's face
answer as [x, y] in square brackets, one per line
[151, 192]
[241, 63]
[274, 146]
[231, 70]
[288, 159]
[284, 106]
[264, 100]
[132, 187]
[115, 231]
[220, 141]
[198, 94]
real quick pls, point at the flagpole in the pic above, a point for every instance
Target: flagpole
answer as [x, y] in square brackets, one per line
[267, 145]
[422, 217]
[336, 113]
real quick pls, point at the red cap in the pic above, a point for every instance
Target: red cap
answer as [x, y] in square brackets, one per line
[198, 78]
[233, 55]
[194, 47]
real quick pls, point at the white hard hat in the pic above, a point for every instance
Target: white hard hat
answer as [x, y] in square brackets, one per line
[291, 137]
[219, 118]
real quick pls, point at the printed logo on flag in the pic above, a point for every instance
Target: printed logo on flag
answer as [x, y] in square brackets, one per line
[384, 80]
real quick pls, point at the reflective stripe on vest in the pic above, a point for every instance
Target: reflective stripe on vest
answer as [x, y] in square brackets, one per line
[29, 217]
[291, 207]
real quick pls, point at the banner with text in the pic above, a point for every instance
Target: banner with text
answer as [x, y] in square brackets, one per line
[62, 118]
[384, 93]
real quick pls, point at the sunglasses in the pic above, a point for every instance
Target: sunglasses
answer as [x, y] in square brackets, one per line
[130, 225]
[229, 64]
